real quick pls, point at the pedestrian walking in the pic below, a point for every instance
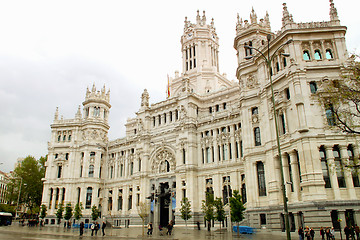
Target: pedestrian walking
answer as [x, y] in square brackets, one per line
[312, 233]
[332, 233]
[198, 225]
[92, 229]
[347, 232]
[97, 227]
[322, 233]
[81, 228]
[150, 228]
[103, 228]
[169, 227]
[357, 231]
[307, 233]
[301, 233]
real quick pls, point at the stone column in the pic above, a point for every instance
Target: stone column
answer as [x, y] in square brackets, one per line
[284, 158]
[347, 172]
[295, 175]
[332, 172]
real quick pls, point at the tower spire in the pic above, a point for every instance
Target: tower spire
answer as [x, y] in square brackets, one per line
[333, 12]
[253, 17]
[287, 18]
[56, 116]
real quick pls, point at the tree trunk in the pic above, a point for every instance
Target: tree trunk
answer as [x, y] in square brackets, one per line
[185, 224]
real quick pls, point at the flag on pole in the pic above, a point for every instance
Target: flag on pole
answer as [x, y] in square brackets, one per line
[168, 87]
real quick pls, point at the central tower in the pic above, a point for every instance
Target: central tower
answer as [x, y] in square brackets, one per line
[200, 46]
[200, 60]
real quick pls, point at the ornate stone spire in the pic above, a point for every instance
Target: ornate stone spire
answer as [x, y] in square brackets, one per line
[56, 116]
[203, 19]
[253, 17]
[287, 18]
[198, 19]
[78, 113]
[239, 23]
[145, 99]
[333, 12]
[267, 20]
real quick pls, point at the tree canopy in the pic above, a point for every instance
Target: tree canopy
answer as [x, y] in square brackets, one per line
[94, 213]
[185, 210]
[237, 208]
[341, 98]
[27, 177]
[78, 211]
[68, 211]
[219, 210]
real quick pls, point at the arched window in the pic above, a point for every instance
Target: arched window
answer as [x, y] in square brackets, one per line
[261, 178]
[329, 54]
[257, 136]
[277, 67]
[111, 171]
[69, 138]
[317, 54]
[313, 87]
[306, 55]
[131, 168]
[91, 171]
[88, 197]
[284, 62]
[324, 167]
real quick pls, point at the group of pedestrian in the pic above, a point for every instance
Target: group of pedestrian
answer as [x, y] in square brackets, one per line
[352, 232]
[67, 224]
[169, 227]
[95, 227]
[307, 233]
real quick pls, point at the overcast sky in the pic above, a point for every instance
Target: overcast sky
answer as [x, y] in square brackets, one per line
[50, 51]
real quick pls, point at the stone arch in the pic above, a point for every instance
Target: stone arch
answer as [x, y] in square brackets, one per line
[163, 160]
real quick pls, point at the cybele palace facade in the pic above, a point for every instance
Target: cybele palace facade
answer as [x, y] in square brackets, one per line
[216, 135]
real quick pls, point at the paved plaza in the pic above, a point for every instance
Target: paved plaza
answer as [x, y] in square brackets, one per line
[53, 232]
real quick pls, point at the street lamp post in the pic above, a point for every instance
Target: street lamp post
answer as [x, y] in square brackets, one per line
[268, 61]
[227, 184]
[17, 202]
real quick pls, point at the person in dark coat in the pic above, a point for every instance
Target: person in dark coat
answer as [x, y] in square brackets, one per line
[103, 228]
[301, 233]
[81, 228]
[347, 232]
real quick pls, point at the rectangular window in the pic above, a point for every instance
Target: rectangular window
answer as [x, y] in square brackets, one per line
[257, 136]
[324, 167]
[262, 219]
[59, 171]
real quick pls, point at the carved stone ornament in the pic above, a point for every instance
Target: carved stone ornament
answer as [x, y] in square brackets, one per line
[160, 159]
[251, 81]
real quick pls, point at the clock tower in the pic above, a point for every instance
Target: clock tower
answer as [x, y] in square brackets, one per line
[200, 59]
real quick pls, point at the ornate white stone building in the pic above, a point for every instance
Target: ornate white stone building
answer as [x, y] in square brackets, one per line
[213, 134]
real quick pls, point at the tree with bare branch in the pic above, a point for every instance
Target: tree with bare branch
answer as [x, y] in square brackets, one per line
[341, 98]
[143, 211]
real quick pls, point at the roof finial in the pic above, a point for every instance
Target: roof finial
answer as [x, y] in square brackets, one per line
[56, 116]
[203, 20]
[287, 18]
[198, 19]
[253, 17]
[333, 12]
[78, 113]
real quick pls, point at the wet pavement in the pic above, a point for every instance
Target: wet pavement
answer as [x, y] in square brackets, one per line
[54, 232]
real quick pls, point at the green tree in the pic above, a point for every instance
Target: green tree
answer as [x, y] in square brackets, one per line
[207, 207]
[341, 98]
[7, 208]
[185, 210]
[78, 211]
[94, 213]
[59, 212]
[27, 177]
[43, 211]
[219, 210]
[68, 211]
[237, 208]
